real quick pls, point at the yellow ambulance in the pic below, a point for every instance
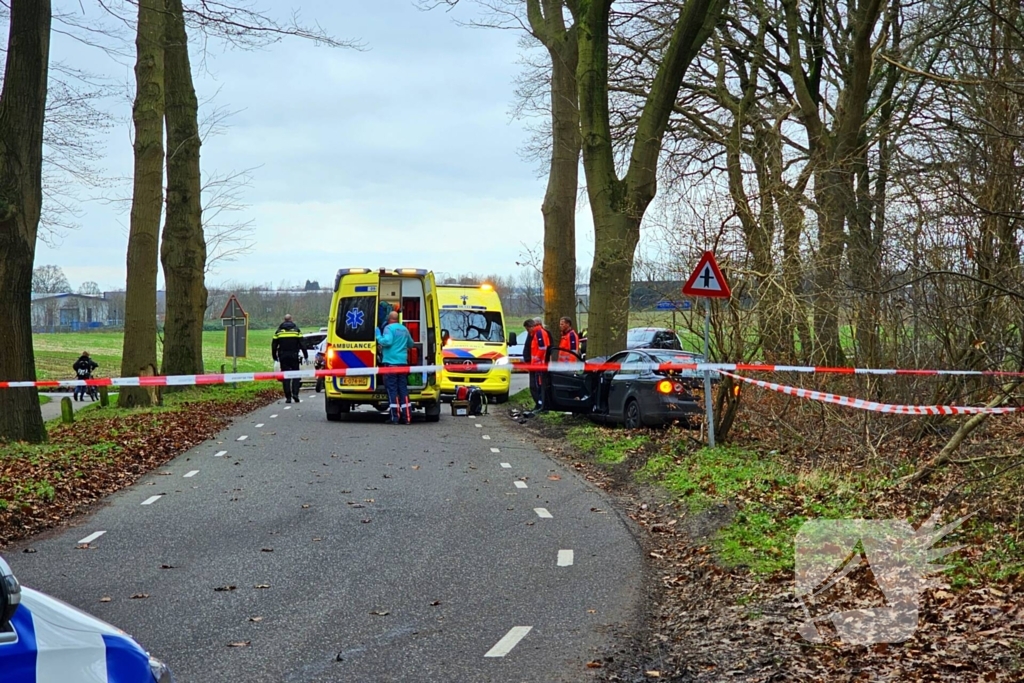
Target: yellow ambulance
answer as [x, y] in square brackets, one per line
[473, 334]
[362, 300]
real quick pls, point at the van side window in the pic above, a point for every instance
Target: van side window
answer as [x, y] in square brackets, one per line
[356, 318]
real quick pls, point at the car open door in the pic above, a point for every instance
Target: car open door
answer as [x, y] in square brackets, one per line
[569, 391]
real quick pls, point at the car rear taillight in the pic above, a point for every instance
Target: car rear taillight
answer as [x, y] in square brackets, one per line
[664, 387]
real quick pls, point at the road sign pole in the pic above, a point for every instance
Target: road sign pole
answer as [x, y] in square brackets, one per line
[709, 409]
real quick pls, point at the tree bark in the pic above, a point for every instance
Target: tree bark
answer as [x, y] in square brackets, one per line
[22, 112]
[139, 353]
[618, 206]
[559, 208]
[183, 251]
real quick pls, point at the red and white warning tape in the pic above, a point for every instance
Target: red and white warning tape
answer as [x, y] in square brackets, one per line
[687, 368]
[861, 404]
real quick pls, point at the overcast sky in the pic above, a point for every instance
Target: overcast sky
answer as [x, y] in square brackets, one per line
[404, 154]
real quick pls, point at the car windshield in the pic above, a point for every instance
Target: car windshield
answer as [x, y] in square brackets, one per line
[633, 336]
[466, 325]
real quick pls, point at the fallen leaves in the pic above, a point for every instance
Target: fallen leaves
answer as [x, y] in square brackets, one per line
[240, 643]
[224, 589]
[380, 612]
[140, 596]
[261, 586]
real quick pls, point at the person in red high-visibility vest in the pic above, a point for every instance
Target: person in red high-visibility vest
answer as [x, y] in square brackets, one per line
[569, 341]
[539, 341]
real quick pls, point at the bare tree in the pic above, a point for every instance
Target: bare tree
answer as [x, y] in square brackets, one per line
[49, 280]
[90, 288]
[22, 111]
[139, 352]
[618, 204]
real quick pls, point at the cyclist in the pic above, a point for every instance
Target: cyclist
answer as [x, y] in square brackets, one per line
[83, 368]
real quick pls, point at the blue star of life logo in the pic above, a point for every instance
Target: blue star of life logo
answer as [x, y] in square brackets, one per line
[354, 318]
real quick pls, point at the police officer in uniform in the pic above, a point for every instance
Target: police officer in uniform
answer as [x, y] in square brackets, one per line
[285, 348]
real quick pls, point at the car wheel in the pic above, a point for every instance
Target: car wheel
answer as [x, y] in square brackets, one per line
[334, 410]
[633, 419]
[501, 398]
[319, 384]
[433, 412]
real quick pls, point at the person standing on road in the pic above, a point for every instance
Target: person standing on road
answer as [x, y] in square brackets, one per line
[83, 368]
[286, 348]
[396, 341]
[538, 343]
[569, 341]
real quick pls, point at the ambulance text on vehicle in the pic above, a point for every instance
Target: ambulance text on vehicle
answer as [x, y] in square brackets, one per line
[362, 300]
[475, 347]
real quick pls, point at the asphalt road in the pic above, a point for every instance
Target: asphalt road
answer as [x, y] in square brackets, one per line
[355, 552]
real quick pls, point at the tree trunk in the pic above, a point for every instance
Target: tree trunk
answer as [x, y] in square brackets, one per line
[559, 207]
[22, 112]
[183, 251]
[147, 202]
[618, 206]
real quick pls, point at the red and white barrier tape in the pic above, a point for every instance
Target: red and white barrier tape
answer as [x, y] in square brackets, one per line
[861, 404]
[688, 368]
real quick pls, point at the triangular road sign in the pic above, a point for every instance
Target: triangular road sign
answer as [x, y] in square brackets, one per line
[232, 309]
[707, 280]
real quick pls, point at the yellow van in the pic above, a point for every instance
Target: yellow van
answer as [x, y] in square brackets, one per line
[362, 300]
[473, 333]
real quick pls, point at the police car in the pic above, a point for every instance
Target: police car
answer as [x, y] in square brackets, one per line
[43, 640]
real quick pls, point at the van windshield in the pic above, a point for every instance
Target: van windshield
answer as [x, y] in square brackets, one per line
[464, 325]
[356, 318]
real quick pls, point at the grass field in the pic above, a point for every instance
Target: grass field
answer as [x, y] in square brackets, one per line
[56, 353]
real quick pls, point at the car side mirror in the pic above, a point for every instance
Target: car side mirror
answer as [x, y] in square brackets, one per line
[10, 595]
[512, 341]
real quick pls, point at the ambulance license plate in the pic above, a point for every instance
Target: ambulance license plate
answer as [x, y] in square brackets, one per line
[355, 381]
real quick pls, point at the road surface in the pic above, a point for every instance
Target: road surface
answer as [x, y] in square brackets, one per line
[290, 549]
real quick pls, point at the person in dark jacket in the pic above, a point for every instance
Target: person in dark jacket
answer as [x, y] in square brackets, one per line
[286, 348]
[83, 368]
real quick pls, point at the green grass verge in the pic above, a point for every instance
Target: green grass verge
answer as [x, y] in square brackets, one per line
[56, 353]
[43, 400]
[606, 446]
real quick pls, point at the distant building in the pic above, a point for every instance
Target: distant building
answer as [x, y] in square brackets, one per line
[69, 312]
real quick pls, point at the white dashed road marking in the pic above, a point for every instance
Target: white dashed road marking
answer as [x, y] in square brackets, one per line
[259, 425]
[220, 454]
[191, 474]
[243, 437]
[542, 513]
[151, 500]
[511, 639]
[495, 450]
[273, 416]
[287, 407]
[91, 537]
[479, 425]
[487, 437]
[520, 484]
[506, 465]
[564, 558]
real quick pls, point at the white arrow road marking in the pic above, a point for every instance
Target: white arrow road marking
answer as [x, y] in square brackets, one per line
[564, 558]
[152, 499]
[542, 513]
[220, 454]
[191, 474]
[243, 437]
[495, 450]
[509, 641]
[506, 465]
[520, 484]
[259, 425]
[91, 537]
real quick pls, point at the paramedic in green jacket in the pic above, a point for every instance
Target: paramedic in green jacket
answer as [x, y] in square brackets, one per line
[396, 341]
